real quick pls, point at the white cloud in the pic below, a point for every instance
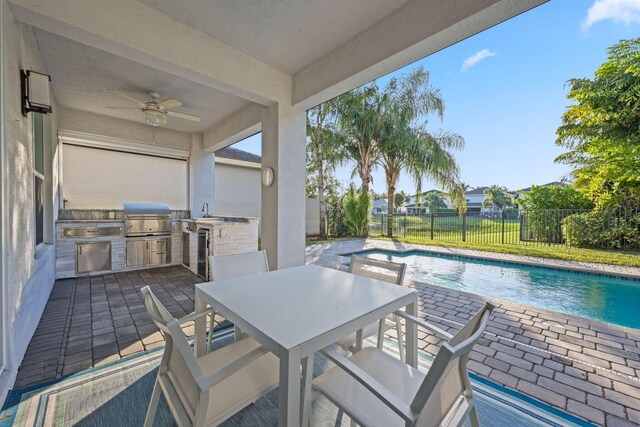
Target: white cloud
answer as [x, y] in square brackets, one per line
[475, 58]
[625, 11]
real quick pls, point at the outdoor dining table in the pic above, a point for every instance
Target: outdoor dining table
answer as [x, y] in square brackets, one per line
[297, 311]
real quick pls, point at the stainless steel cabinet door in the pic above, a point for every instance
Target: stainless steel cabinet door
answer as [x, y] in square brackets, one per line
[137, 252]
[159, 251]
[94, 256]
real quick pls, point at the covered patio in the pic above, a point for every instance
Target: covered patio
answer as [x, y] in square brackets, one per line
[243, 68]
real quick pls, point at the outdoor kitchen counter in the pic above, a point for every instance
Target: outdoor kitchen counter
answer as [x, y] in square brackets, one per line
[66, 246]
[106, 214]
[225, 235]
[84, 222]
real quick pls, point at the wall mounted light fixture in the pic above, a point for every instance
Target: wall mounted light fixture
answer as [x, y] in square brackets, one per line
[35, 92]
[267, 176]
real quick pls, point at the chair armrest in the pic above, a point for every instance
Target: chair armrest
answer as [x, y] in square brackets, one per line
[206, 382]
[423, 323]
[195, 315]
[380, 391]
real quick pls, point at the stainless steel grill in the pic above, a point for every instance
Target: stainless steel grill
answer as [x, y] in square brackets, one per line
[147, 219]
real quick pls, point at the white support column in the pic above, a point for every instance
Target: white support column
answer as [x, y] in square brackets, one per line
[201, 177]
[283, 204]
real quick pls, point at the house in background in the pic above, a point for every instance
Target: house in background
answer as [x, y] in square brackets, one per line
[243, 169]
[243, 198]
[415, 205]
[379, 207]
[475, 202]
[475, 199]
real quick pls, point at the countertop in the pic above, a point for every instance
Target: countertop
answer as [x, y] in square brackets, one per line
[244, 219]
[88, 221]
[212, 220]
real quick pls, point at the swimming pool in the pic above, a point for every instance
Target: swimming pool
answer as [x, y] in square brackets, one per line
[599, 297]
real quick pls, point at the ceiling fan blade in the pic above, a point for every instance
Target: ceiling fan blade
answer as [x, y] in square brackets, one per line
[124, 108]
[125, 96]
[184, 116]
[170, 103]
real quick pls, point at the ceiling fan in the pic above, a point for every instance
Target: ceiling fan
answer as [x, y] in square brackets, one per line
[156, 111]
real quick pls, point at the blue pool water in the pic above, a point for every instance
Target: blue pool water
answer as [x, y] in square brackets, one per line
[598, 297]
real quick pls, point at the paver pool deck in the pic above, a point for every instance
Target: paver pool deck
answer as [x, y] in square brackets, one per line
[585, 367]
[588, 368]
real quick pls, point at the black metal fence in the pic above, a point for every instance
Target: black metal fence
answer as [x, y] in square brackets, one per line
[613, 228]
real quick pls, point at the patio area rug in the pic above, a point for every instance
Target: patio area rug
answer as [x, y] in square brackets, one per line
[117, 394]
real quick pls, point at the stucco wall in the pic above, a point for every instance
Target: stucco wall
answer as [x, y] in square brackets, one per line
[237, 190]
[202, 177]
[475, 198]
[28, 276]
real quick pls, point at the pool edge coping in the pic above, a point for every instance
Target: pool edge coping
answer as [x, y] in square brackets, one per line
[626, 329]
[527, 263]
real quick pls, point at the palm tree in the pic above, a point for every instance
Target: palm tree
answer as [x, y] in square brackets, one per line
[459, 198]
[405, 144]
[399, 199]
[359, 121]
[323, 148]
[497, 196]
[434, 202]
[465, 187]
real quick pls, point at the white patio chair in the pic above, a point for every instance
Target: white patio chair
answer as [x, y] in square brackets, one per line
[376, 389]
[237, 265]
[384, 270]
[207, 390]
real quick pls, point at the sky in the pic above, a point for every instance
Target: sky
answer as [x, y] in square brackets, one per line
[505, 90]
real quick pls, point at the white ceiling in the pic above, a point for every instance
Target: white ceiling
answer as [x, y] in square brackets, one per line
[286, 34]
[81, 76]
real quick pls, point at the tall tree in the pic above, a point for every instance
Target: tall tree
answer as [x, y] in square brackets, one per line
[458, 197]
[465, 187]
[497, 196]
[323, 148]
[405, 144]
[399, 199]
[359, 120]
[601, 131]
[434, 202]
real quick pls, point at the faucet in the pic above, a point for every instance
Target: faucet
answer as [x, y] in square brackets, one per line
[205, 205]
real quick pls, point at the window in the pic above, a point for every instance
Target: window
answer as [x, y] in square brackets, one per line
[38, 176]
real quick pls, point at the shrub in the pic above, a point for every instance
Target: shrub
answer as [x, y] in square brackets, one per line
[602, 228]
[336, 220]
[554, 197]
[544, 225]
[357, 207]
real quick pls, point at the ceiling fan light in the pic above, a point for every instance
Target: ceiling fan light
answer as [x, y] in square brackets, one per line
[155, 118]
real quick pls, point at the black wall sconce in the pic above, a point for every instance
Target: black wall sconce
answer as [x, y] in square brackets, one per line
[35, 92]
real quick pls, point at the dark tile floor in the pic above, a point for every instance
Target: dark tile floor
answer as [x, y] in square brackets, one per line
[94, 320]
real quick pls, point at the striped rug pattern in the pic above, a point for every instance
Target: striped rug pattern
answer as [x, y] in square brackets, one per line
[117, 394]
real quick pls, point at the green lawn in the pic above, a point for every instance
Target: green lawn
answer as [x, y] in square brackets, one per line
[485, 234]
[631, 259]
[450, 228]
